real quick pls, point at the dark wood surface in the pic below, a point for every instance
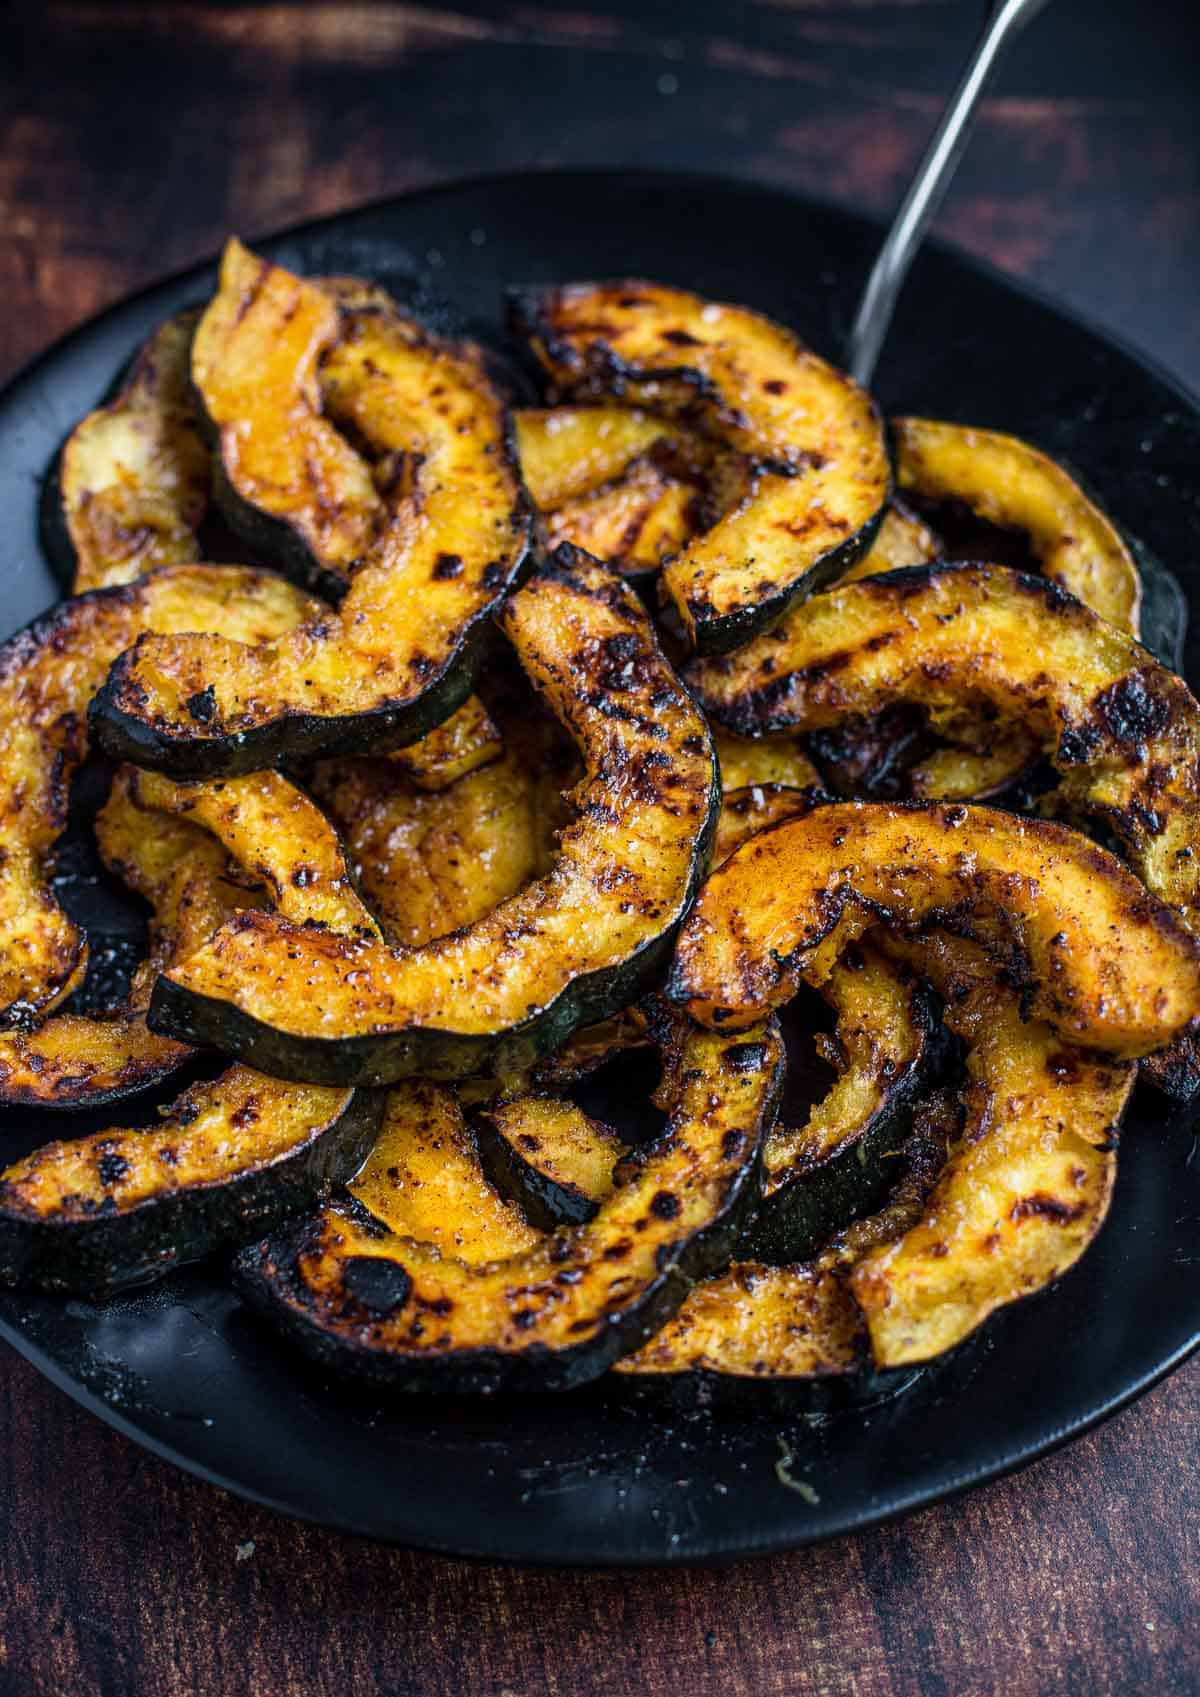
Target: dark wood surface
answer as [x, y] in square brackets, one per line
[131, 140]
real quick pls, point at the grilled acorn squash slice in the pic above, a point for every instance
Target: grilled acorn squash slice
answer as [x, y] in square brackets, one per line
[1026, 1186]
[819, 1174]
[199, 856]
[567, 949]
[1045, 901]
[48, 671]
[792, 1332]
[466, 741]
[381, 1295]
[73, 1060]
[400, 654]
[749, 383]
[1008, 483]
[227, 1160]
[132, 483]
[430, 863]
[286, 479]
[1123, 731]
[904, 539]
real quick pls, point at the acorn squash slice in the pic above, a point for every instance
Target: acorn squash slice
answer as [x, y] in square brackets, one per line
[132, 483]
[377, 1292]
[1008, 483]
[904, 539]
[567, 949]
[430, 863]
[467, 740]
[400, 654]
[1100, 959]
[839, 1162]
[1123, 732]
[76, 1060]
[792, 1333]
[199, 855]
[48, 672]
[1025, 1188]
[751, 385]
[285, 478]
[225, 1161]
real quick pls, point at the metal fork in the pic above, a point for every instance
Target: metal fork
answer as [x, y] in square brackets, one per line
[1003, 20]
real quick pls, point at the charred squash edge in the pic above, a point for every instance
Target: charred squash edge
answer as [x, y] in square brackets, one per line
[110, 1250]
[271, 1278]
[183, 1009]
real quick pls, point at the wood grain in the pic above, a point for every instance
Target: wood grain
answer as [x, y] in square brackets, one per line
[131, 140]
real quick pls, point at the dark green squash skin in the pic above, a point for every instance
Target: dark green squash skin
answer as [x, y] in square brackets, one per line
[52, 524]
[809, 1207]
[731, 630]
[263, 1269]
[546, 1203]
[384, 1057]
[272, 538]
[111, 1252]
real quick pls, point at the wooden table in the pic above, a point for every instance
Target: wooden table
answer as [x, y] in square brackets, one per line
[133, 140]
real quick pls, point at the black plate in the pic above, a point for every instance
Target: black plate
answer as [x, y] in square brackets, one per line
[183, 1370]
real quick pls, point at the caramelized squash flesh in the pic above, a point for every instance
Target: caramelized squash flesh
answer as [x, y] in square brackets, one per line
[1010, 484]
[133, 481]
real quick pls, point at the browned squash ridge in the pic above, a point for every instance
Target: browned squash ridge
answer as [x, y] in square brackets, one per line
[567, 949]
[825, 476]
[1045, 901]
[387, 1299]
[48, 672]
[132, 483]
[400, 653]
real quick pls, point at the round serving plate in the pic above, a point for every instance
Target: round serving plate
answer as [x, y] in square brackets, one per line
[184, 1370]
